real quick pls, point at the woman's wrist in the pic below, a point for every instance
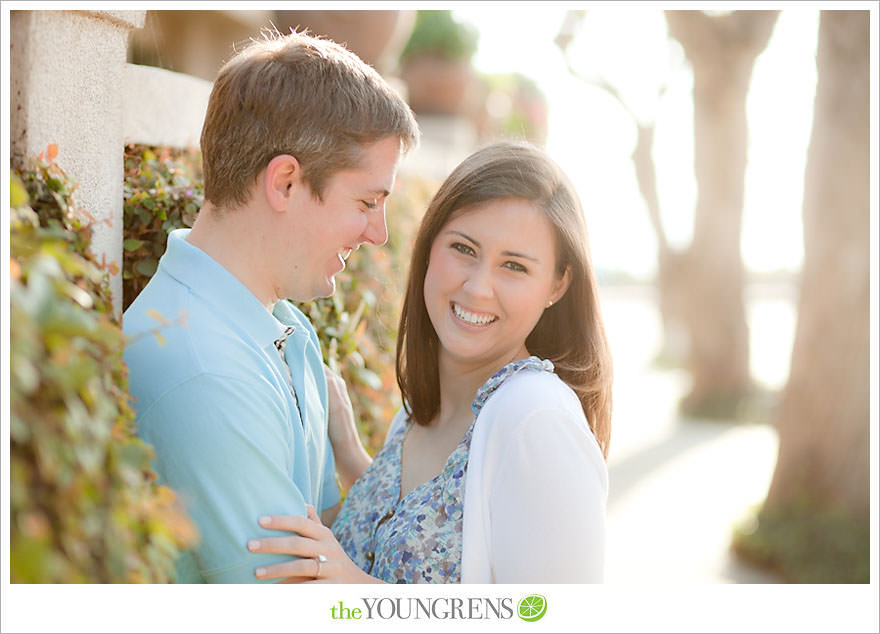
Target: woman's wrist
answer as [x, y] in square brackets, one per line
[368, 579]
[351, 461]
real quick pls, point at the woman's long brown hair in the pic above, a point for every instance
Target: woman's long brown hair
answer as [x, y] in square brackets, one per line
[570, 333]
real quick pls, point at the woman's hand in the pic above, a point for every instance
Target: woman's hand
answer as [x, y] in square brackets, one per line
[312, 541]
[351, 458]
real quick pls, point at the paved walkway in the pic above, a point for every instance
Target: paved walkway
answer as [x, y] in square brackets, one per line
[678, 488]
[673, 505]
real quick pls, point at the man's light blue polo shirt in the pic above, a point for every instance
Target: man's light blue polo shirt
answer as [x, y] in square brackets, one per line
[213, 398]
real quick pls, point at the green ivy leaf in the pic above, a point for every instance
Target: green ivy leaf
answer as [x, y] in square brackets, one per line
[147, 267]
[132, 244]
[18, 196]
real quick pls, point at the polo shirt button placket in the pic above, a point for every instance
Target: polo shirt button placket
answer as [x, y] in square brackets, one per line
[280, 345]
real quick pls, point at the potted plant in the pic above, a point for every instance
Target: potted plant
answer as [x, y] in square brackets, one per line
[436, 64]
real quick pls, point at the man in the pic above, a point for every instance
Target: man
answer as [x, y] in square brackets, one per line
[300, 148]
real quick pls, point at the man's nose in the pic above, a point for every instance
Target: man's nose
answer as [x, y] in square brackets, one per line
[376, 232]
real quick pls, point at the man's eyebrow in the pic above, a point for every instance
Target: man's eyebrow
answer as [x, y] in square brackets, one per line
[512, 254]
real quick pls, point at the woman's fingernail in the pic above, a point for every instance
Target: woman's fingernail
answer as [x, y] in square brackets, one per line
[260, 572]
[265, 520]
[253, 544]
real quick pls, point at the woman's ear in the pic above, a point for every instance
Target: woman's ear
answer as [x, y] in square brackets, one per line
[282, 175]
[560, 286]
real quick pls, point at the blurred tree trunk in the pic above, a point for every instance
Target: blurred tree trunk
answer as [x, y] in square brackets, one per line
[672, 274]
[722, 50]
[701, 289]
[670, 277]
[823, 419]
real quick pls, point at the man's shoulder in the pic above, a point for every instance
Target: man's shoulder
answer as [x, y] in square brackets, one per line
[162, 302]
[167, 320]
[174, 336]
[168, 305]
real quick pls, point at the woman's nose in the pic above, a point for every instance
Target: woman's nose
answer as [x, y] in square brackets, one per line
[479, 282]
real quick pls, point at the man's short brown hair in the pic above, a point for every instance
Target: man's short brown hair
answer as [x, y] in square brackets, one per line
[300, 95]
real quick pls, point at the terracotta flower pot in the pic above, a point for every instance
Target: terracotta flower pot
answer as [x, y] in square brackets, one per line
[438, 85]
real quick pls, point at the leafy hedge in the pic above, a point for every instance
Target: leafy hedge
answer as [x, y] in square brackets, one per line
[84, 503]
[357, 327]
[162, 191]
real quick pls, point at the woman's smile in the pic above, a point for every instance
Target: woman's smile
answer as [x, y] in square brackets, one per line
[470, 317]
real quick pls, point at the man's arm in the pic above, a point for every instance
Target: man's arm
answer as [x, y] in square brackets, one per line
[225, 446]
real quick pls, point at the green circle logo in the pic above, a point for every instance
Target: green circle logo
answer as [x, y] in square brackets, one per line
[532, 608]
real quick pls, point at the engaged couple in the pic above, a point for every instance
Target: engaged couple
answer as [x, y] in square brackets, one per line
[494, 469]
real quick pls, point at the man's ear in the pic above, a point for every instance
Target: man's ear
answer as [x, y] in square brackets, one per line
[282, 175]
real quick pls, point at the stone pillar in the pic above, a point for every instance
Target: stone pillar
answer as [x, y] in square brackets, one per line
[67, 76]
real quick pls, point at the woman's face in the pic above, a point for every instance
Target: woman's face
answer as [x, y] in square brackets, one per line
[491, 273]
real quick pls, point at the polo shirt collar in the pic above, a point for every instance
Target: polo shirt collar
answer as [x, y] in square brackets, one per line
[208, 279]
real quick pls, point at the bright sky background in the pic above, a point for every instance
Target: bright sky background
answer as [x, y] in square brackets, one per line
[592, 137]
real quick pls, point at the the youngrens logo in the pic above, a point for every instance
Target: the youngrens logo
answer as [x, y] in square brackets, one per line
[530, 608]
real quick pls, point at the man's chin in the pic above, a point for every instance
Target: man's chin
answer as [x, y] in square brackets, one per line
[329, 290]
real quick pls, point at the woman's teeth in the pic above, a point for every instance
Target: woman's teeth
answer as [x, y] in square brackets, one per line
[472, 318]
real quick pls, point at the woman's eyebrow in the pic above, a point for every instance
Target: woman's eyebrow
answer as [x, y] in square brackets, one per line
[465, 236]
[512, 254]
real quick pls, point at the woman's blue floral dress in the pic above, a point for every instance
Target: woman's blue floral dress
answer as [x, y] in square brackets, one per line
[416, 539]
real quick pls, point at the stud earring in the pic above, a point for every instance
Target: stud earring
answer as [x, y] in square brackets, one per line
[550, 303]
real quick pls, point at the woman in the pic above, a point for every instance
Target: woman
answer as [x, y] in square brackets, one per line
[494, 470]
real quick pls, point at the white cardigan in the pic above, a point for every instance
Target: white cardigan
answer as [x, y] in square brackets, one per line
[536, 487]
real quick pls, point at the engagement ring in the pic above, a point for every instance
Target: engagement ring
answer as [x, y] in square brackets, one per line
[320, 559]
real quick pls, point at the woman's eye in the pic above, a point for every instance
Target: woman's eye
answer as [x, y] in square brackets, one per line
[516, 266]
[370, 204]
[463, 248]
